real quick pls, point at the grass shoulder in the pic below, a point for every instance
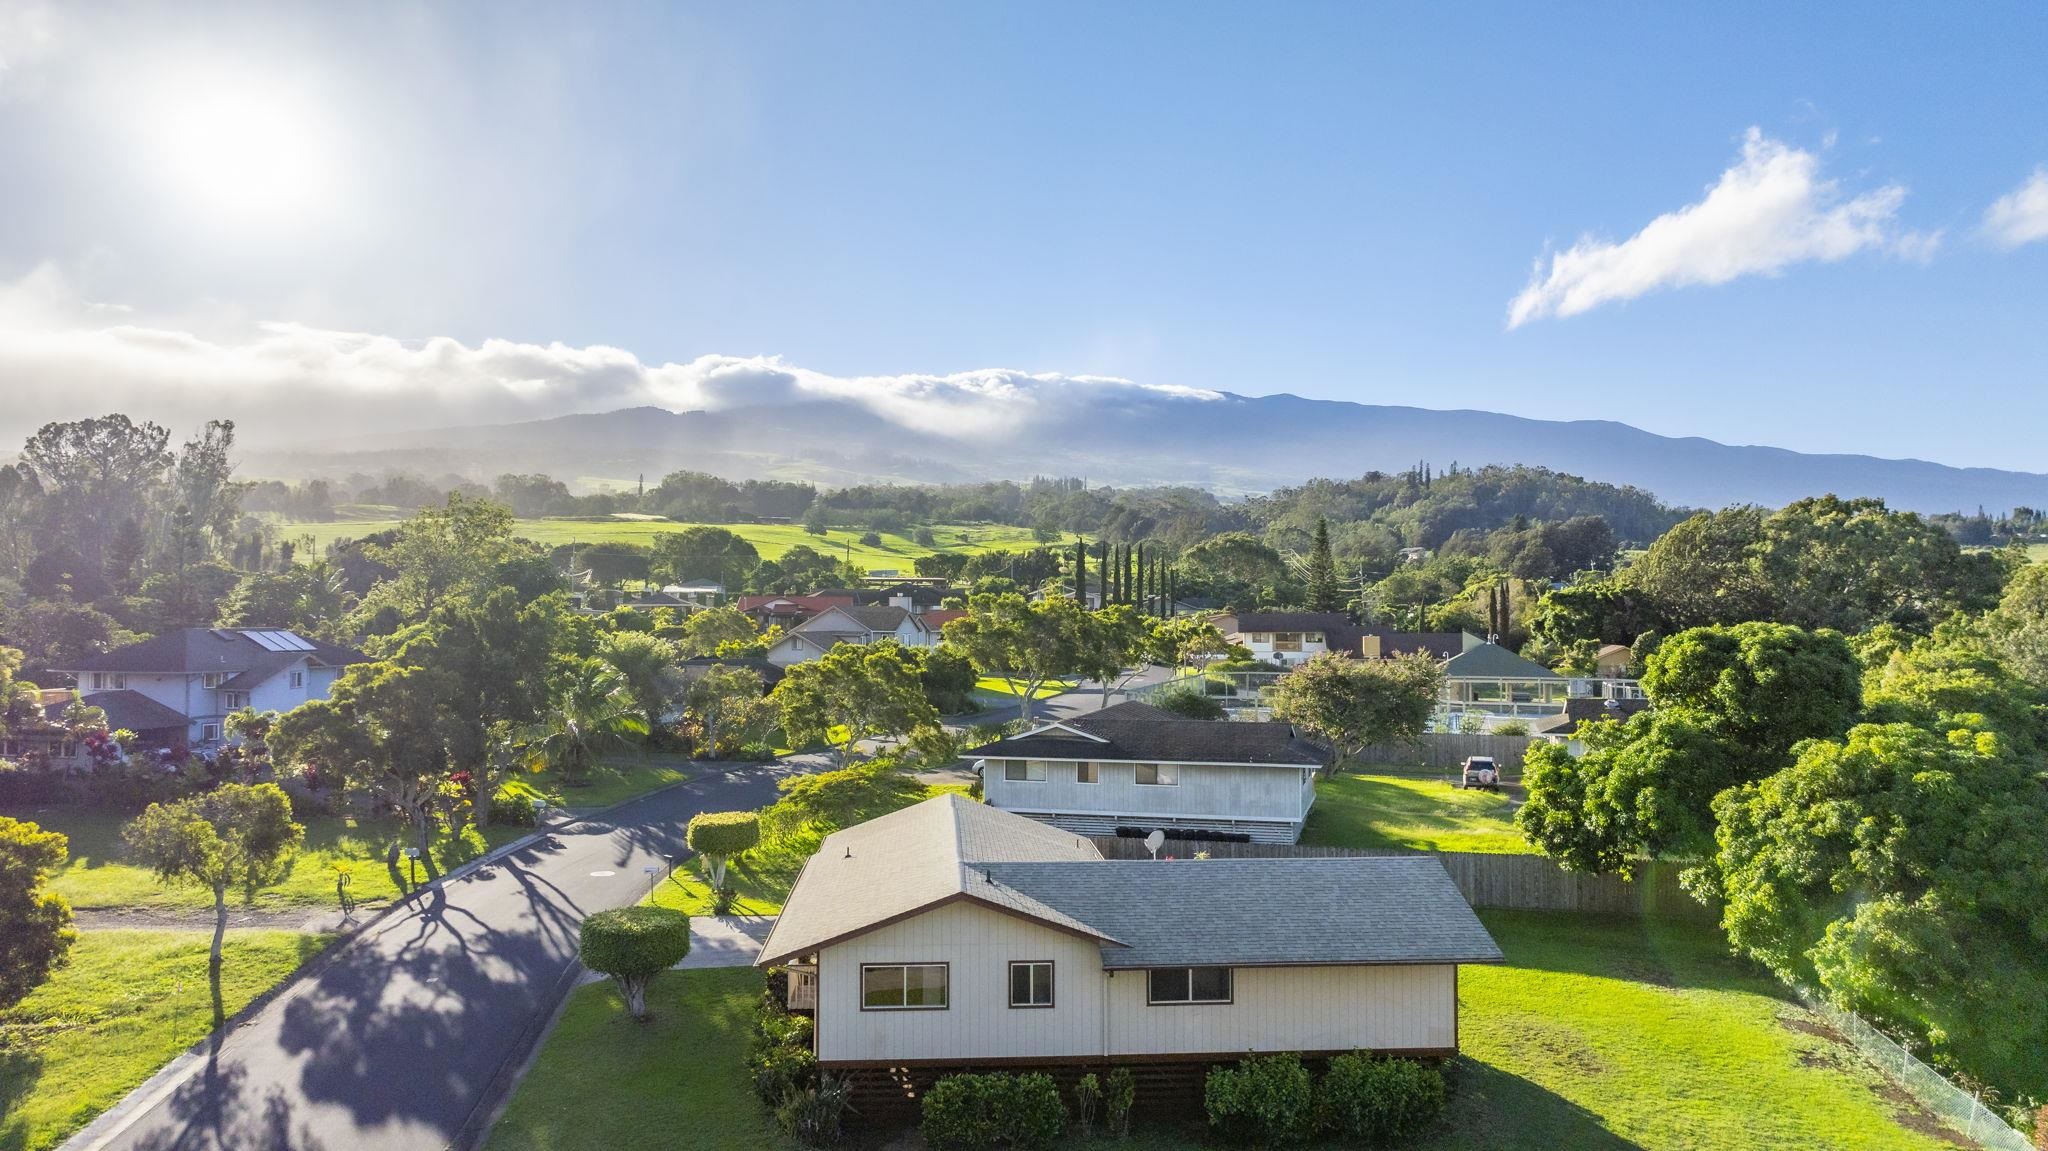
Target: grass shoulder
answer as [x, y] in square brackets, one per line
[127, 1003]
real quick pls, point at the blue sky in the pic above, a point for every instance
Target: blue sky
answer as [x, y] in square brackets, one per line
[318, 205]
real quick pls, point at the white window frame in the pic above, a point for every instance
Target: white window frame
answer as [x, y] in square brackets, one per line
[234, 700]
[1163, 775]
[209, 733]
[945, 987]
[1033, 770]
[1087, 772]
[99, 680]
[298, 679]
[120, 681]
[212, 679]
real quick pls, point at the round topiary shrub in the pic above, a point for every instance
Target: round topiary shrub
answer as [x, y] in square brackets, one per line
[720, 835]
[1261, 1102]
[975, 1112]
[1378, 1102]
[1188, 703]
[633, 945]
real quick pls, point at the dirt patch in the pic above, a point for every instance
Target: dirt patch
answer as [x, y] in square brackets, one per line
[194, 919]
[1908, 1113]
[1807, 1025]
[1638, 971]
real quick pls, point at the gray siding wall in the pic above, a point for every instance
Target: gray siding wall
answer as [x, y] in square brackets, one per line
[1204, 792]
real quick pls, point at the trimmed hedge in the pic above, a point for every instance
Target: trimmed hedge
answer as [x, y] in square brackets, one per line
[720, 835]
[975, 1112]
[1262, 1102]
[1379, 1101]
[633, 945]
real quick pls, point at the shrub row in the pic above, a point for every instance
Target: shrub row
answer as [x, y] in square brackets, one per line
[1366, 1101]
[975, 1112]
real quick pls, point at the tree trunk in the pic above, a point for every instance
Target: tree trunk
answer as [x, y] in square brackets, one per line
[635, 989]
[717, 871]
[1025, 699]
[213, 957]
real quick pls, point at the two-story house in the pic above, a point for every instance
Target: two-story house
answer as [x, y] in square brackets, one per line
[1286, 638]
[840, 624]
[1138, 768]
[205, 674]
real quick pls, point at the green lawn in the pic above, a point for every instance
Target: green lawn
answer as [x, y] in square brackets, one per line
[99, 876]
[762, 879]
[675, 1082]
[1597, 1035]
[617, 780]
[1046, 690]
[128, 1002]
[1403, 811]
[771, 540]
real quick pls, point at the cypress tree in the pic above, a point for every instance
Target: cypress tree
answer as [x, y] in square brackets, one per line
[1322, 571]
[1081, 573]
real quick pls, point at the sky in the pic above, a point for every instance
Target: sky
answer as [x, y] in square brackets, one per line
[1822, 227]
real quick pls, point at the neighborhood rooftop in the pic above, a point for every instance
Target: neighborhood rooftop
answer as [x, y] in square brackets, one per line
[1142, 733]
[225, 650]
[1239, 913]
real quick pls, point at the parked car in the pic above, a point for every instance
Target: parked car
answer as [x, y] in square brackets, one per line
[1481, 773]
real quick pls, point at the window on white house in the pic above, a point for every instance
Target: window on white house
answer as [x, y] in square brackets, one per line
[209, 732]
[1085, 772]
[298, 679]
[1031, 983]
[1027, 770]
[1188, 985]
[120, 681]
[99, 680]
[1260, 637]
[1311, 637]
[234, 700]
[903, 986]
[1286, 641]
[1158, 774]
[210, 679]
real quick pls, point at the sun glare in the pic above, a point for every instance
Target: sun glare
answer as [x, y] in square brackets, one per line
[247, 152]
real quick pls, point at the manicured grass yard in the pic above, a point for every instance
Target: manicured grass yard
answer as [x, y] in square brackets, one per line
[618, 780]
[771, 540]
[1046, 690]
[128, 1002]
[1403, 811]
[675, 1082]
[1597, 1035]
[99, 876]
[762, 878]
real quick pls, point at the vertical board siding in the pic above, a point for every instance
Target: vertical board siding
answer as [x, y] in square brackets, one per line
[1504, 882]
[1273, 1008]
[1204, 792]
[1293, 1009]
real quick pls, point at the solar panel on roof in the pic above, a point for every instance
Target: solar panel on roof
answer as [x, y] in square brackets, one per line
[264, 640]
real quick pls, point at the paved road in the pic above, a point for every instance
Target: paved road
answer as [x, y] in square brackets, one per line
[418, 1021]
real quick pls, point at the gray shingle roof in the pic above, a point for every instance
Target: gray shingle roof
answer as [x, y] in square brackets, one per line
[199, 649]
[912, 860]
[1340, 634]
[125, 708]
[1220, 912]
[1141, 732]
[1492, 661]
[1263, 912]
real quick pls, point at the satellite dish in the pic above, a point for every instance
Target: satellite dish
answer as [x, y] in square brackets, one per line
[1155, 841]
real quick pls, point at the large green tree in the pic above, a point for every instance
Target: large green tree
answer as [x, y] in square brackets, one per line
[1353, 703]
[702, 553]
[35, 924]
[96, 473]
[646, 666]
[1906, 872]
[591, 714]
[378, 735]
[237, 836]
[852, 693]
[1324, 592]
[1113, 641]
[1021, 642]
[1729, 706]
[2018, 628]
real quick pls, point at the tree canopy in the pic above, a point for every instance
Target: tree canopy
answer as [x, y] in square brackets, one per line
[35, 924]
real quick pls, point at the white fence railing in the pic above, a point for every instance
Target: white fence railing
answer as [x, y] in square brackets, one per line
[1958, 1108]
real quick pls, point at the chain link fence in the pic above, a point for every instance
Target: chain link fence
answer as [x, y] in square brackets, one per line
[1961, 1110]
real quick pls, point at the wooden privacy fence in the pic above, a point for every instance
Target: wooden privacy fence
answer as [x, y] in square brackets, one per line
[1505, 882]
[1448, 750]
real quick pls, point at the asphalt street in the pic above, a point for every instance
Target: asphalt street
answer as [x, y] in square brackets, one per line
[415, 1027]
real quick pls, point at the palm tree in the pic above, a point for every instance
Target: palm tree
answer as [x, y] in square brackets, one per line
[591, 716]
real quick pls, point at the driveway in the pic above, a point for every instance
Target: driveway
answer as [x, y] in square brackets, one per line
[414, 1027]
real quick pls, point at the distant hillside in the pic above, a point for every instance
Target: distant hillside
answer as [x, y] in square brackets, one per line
[1230, 444]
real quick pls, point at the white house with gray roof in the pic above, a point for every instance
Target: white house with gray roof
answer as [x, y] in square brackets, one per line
[851, 624]
[1137, 768]
[953, 934]
[194, 678]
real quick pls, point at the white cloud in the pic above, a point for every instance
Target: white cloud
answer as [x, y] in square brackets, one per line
[28, 37]
[74, 357]
[2022, 216]
[1768, 212]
